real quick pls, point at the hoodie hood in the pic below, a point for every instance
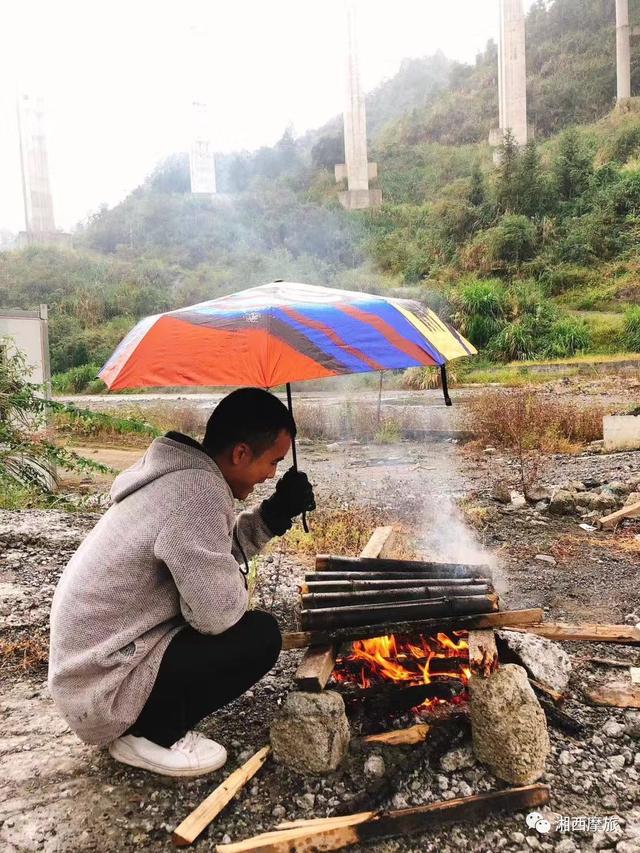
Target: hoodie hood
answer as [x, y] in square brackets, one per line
[164, 456]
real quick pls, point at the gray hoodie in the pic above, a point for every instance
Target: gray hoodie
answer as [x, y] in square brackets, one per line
[162, 556]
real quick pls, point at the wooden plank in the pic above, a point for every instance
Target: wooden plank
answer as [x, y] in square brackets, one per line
[201, 817]
[552, 694]
[360, 828]
[612, 520]
[483, 653]
[317, 665]
[380, 544]
[401, 737]
[588, 632]
[499, 619]
[606, 661]
[616, 694]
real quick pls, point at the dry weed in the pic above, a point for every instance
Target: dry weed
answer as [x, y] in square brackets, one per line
[25, 655]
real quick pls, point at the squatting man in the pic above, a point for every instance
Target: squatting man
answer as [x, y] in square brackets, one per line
[150, 631]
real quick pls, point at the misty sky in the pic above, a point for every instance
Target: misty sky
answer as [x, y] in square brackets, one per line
[119, 77]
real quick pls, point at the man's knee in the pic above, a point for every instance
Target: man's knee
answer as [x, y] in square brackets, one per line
[267, 634]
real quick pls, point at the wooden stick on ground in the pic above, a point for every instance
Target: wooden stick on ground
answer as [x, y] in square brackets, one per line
[193, 824]
[588, 632]
[625, 664]
[401, 737]
[499, 619]
[317, 665]
[552, 694]
[609, 521]
[616, 694]
[334, 834]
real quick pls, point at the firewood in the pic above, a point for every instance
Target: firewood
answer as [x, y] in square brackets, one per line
[483, 654]
[427, 627]
[612, 520]
[317, 665]
[333, 834]
[380, 543]
[587, 632]
[329, 562]
[193, 824]
[323, 586]
[401, 737]
[552, 694]
[607, 661]
[404, 594]
[616, 694]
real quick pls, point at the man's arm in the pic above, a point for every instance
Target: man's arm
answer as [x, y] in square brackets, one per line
[195, 545]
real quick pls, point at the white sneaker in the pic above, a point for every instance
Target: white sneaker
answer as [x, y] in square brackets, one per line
[192, 755]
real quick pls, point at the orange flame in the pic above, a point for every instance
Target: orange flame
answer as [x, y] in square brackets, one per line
[406, 660]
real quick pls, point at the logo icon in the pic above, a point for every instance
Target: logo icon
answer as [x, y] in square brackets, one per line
[536, 821]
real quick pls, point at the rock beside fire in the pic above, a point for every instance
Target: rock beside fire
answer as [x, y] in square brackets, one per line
[508, 725]
[311, 734]
[545, 660]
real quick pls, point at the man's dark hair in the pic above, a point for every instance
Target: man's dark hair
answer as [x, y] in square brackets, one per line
[248, 415]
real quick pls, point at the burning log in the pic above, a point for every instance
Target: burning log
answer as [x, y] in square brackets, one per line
[499, 619]
[371, 585]
[392, 699]
[483, 653]
[342, 617]
[330, 563]
[423, 577]
[404, 594]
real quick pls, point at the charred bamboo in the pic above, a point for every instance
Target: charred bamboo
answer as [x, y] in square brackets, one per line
[330, 563]
[406, 594]
[422, 577]
[330, 618]
[367, 585]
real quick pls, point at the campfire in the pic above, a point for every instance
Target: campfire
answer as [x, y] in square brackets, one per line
[436, 666]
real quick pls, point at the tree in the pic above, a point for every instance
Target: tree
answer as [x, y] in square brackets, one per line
[507, 178]
[477, 191]
[529, 182]
[572, 167]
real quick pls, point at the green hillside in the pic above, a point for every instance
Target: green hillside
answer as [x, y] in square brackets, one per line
[536, 258]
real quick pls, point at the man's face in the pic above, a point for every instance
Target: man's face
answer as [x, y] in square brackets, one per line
[248, 469]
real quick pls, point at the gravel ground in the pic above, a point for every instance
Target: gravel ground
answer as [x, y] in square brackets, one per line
[57, 794]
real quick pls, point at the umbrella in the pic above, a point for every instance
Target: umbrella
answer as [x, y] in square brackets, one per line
[280, 333]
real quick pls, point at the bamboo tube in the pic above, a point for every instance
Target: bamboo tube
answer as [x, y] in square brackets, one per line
[331, 563]
[423, 577]
[363, 586]
[329, 618]
[405, 594]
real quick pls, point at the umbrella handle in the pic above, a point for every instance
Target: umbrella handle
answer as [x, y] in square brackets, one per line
[445, 386]
[305, 526]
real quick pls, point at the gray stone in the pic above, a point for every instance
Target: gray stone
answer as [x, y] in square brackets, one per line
[565, 846]
[458, 759]
[279, 811]
[533, 842]
[538, 493]
[545, 660]
[562, 502]
[612, 728]
[633, 498]
[631, 846]
[617, 762]
[577, 486]
[517, 838]
[518, 500]
[632, 727]
[311, 734]
[546, 558]
[617, 487]
[307, 801]
[501, 492]
[374, 767]
[508, 725]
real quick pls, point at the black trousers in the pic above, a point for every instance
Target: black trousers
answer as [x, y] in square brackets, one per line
[200, 673]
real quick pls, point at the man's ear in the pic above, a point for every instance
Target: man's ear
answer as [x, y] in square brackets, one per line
[240, 453]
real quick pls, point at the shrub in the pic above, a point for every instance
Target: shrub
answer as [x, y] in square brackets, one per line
[631, 332]
[79, 379]
[533, 421]
[481, 310]
[514, 239]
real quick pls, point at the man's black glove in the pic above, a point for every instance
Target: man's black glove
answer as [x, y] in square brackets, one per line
[293, 495]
